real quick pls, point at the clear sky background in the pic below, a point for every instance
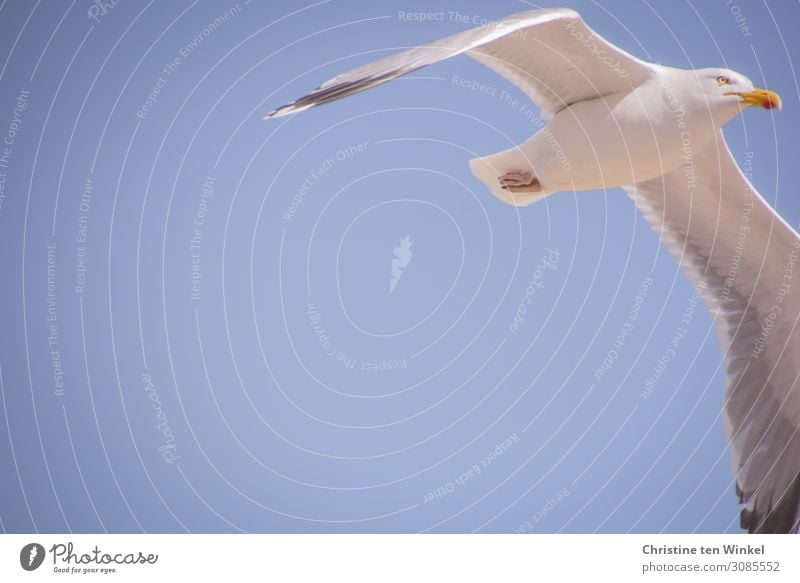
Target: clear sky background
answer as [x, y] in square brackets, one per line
[198, 327]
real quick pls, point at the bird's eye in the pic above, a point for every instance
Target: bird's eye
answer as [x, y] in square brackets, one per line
[722, 80]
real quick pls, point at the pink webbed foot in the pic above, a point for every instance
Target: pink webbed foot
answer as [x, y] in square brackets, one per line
[519, 182]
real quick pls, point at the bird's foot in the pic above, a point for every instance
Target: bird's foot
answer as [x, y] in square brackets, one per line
[520, 182]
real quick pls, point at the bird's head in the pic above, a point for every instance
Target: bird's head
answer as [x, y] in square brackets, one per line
[727, 92]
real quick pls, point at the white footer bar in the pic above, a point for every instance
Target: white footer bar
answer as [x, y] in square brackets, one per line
[406, 558]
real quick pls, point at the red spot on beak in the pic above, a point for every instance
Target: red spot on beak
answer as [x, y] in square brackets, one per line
[770, 103]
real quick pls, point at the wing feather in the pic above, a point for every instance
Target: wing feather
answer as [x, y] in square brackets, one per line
[550, 54]
[743, 258]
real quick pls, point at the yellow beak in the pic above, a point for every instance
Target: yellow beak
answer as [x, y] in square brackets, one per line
[761, 97]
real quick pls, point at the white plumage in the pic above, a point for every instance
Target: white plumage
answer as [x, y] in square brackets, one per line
[617, 121]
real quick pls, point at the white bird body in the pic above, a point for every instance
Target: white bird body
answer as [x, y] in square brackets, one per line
[617, 121]
[565, 155]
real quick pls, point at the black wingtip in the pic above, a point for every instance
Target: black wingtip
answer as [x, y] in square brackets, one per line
[281, 111]
[779, 518]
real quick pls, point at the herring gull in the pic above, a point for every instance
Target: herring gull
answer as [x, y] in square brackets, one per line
[617, 121]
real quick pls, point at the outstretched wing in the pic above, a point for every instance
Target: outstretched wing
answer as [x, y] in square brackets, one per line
[746, 262]
[550, 54]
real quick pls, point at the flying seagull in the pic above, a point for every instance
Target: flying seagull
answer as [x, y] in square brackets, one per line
[617, 121]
